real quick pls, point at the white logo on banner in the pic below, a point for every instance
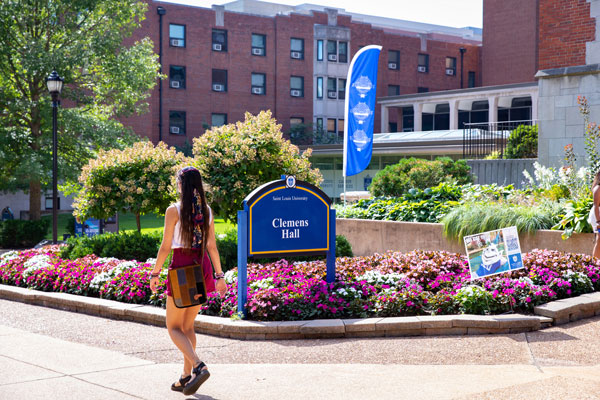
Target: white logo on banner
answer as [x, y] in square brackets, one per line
[361, 112]
[360, 139]
[363, 85]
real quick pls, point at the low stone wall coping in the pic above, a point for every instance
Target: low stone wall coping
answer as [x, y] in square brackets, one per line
[553, 313]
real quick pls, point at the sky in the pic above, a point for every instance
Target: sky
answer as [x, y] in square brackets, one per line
[455, 13]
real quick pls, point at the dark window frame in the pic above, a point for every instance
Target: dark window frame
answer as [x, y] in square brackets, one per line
[181, 126]
[341, 84]
[213, 42]
[320, 50]
[334, 125]
[181, 82]
[426, 65]
[395, 60]
[397, 91]
[300, 89]
[178, 38]
[263, 48]
[332, 90]
[212, 115]
[297, 51]
[213, 82]
[345, 58]
[319, 86]
[263, 87]
[452, 68]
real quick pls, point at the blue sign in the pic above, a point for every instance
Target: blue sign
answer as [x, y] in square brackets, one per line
[284, 218]
[359, 111]
[91, 227]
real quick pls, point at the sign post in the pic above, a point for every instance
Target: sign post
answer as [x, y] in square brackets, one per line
[284, 218]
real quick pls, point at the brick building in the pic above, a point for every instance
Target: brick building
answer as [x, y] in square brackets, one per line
[293, 60]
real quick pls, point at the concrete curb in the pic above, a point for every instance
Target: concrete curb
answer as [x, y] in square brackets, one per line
[553, 313]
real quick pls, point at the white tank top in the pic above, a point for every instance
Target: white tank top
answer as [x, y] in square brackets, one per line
[176, 242]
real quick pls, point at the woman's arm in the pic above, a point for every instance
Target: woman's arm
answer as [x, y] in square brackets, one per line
[596, 194]
[213, 252]
[171, 218]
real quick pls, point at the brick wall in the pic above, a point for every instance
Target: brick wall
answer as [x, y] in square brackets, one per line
[199, 101]
[565, 28]
[509, 41]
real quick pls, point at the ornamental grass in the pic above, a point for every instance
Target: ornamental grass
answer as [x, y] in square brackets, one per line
[381, 285]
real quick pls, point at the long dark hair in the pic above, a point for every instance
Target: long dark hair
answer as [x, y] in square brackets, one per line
[193, 201]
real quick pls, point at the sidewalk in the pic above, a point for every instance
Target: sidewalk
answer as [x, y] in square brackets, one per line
[55, 354]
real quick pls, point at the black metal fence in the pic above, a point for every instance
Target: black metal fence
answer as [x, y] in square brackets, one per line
[482, 139]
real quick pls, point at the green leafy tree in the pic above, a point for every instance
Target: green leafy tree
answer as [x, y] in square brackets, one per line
[138, 180]
[83, 40]
[235, 159]
[523, 142]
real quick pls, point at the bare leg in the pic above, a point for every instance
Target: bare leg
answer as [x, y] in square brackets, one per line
[188, 329]
[596, 252]
[175, 326]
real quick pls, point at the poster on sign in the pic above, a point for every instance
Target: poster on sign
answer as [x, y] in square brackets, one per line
[493, 252]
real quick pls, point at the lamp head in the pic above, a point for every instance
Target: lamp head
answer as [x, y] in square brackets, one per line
[54, 83]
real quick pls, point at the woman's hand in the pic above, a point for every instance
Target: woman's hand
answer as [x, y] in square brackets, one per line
[153, 283]
[221, 287]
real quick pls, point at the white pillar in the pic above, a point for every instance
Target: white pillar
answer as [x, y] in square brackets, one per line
[385, 119]
[418, 117]
[493, 109]
[453, 114]
[534, 106]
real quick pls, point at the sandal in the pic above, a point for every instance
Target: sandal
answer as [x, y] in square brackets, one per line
[200, 376]
[182, 381]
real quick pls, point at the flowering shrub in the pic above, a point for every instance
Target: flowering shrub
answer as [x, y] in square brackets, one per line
[237, 158]
[138, 180]
[381, 285]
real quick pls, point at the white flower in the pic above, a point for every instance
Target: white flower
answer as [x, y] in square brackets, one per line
[266, 283]
[230, 277]
[377, 278]
[35, 263]
[8, 256]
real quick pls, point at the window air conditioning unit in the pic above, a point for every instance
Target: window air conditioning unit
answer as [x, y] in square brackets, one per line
[174, 130]
[257, 51]
[177, 42]
[295, 93]
[257, 90]
[175, 84]
[296, 54]
[449, 71]
[217, 47]
[217, 87]
[392, 66]
[332, 57]
[422, 68]
[332, 94]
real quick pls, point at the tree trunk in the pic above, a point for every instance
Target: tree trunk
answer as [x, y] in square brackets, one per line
[35, 199]
[137, 220]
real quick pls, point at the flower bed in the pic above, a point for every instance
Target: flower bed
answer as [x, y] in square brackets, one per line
[390, 284]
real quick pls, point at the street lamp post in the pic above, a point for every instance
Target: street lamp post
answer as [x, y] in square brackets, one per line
[55, 83]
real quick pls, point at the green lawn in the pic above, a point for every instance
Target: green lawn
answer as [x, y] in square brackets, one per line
[149, 223]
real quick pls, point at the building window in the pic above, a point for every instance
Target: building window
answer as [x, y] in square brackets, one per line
[297, 48]
[422, 89]
[219, 80]
[319, 124]
[319, 50]
[319, 87]
[297, 86]
[259, 45]
[219, 40]
[331, 50]
[450, 66]
[343, 52]
[340, 126]
[471, 79]
[331, 88]
[259, 84]
[331, 125]
[393, 59]
[393, 90]
[49, 203]
[176, 35]
[218, 119]
[393, 127]
[423, 63]
[341, 89]
[177, 77]
[177, 122]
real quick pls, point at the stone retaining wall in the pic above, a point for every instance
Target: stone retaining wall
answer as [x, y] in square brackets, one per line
[554, 313]
[369, 236]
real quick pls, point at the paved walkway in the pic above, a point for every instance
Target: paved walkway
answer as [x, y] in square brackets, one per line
[55, 354]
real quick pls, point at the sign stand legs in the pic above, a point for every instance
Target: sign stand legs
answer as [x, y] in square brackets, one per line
[331, 252]
[242, 263]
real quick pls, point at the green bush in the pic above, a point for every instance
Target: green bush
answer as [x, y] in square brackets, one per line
[523, 142]
[125, 246]
[395, 180]
[17, 233]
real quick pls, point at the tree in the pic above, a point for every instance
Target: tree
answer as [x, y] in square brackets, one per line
[83, 41]
[139, 179]
[235, 159]
[523, 142]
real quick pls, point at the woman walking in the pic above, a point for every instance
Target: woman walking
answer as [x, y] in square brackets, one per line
[190, 232]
